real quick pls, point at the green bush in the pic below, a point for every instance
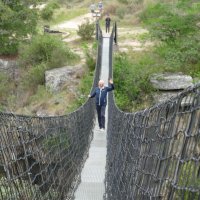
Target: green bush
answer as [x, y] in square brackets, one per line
[35, 76]
[46, 49]
[124, 1]
[153, 12]
[184, 55]
[86, 30]
[84, 90]
[131, 78]
[5, 87]
[90, 54]
[173, 27]
[8, 46]
[47, 12]
[17, 21]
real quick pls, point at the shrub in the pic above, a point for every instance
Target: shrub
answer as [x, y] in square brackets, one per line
[17, 21]
[47, 12]
[111, 9]
[153, 12]
[123, 1]
[86, 30]
[46, 49]
[5, 86]
[121, 11]
[90, 54]
[8, 46]
[35, 76]
[132, 80]
[173, 27]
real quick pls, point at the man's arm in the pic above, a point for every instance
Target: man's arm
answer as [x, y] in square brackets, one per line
[92, 95]
[112, 85]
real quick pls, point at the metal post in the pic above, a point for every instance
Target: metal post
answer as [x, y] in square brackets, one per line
[97, 29]
[115, 38]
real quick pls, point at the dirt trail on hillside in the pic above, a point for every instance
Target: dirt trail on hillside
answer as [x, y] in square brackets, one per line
[124, 44]
[74, 23]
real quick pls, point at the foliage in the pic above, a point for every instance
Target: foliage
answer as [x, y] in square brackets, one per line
[153, 12]
[35, 76]
[178, 32]
[84, 90]
[56, 143]
[190, 170]
[121, 11]
[5, 86]
[123, 1]
[45, 49]
[90, 54]
[40, 94]
[47, 12]
[13, 191]
[17, 21]
[182, 56]
[86, 30]
[43, 53]
[132, 80]
[173, 27]
[111, 8]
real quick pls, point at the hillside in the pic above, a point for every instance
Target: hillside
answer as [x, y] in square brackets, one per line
[153, 36]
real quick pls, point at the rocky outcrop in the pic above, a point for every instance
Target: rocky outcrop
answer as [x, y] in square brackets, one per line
[170, 85]
[8, 66]
[58, 78]
[168, 81]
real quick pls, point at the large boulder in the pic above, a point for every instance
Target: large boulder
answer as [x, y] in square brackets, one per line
[167, 81]
[68, 76]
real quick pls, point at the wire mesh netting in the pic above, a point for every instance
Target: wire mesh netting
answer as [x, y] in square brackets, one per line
[41, 157]
[155, 153]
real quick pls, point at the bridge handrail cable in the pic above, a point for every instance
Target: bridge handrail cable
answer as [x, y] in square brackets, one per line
[154, 153]
[41, 157]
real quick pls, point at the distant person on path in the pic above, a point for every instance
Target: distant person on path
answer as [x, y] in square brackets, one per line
[100, 6]
[108, 20]
[92, 8]
[101, 101]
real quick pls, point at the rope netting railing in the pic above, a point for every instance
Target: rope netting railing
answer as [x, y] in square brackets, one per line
[41, 157]
[155, 153]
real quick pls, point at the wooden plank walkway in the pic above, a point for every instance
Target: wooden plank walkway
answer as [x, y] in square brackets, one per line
[92, 185]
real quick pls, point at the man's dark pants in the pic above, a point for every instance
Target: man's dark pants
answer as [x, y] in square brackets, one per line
[101, 115]
[107, 28]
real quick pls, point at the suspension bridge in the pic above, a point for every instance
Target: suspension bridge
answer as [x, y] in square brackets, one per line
[151, 154]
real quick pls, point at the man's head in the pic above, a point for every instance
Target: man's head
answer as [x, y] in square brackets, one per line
[101, 84]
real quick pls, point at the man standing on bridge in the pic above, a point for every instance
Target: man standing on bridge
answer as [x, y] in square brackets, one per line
[108, 20]
[101, 101]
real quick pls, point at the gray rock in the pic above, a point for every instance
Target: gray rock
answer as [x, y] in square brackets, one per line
[160, 97]
[169, 81]
[56, 79]
[42, 113]
[163, 96]
[8, 66]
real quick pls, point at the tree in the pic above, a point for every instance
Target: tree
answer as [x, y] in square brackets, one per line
[17, 22]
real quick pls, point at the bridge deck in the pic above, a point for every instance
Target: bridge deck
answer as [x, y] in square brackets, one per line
[92, 177]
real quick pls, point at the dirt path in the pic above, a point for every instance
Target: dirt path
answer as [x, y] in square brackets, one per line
[128, 37]
[74, 23]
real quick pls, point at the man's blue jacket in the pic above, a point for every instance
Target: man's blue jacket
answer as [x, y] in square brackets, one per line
[101, 95]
